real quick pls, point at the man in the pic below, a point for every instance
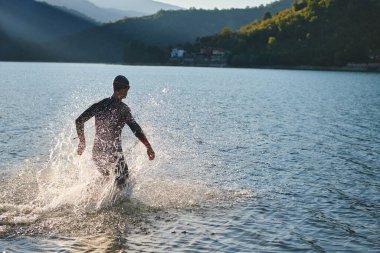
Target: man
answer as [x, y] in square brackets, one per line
[111, 114]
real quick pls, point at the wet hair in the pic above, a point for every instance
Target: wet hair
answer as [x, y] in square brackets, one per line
[120, 82]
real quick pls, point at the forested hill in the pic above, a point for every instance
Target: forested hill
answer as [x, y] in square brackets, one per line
[107, 43]
[26, 23]
[187, 25]
[87, 8]
[16, 50]
[312, 32]
[37, 22]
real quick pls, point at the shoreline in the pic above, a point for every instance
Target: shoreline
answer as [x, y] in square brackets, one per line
[359, 67]
[364, 68]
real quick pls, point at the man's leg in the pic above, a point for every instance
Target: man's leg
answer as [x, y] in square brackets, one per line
[102, 164]
[121, 171]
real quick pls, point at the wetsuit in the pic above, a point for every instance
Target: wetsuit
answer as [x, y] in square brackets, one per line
[111, 115]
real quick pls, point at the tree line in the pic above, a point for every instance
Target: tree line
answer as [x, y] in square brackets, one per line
[312, 32]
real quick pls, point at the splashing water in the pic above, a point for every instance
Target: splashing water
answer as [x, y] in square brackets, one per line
[72, 180]
[64, 193]
[68, 192]
[66, 184]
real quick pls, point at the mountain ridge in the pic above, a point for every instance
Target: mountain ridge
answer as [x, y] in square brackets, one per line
[38, 22]
[26, 24]
[108, 42]
[146, 6]
[103, 15]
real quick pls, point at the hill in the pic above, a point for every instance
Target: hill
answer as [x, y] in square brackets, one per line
[317, 33]
[32, 21]
[108, 42]
[147, 7]
[102, 15]
[18, 50]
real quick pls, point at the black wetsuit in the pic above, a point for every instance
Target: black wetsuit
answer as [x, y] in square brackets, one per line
[111, 115]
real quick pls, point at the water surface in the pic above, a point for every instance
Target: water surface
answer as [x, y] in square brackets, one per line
[247, 161]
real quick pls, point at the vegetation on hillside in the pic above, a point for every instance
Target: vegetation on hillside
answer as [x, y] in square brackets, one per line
[312, 32]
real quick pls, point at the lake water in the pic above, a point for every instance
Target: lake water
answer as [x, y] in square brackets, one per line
[247, 161]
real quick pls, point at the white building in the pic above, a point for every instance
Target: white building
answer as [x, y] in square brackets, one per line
[177, 53]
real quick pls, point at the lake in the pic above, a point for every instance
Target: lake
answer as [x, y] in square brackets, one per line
[247, 160]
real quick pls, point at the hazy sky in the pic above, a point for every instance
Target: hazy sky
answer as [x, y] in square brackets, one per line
[211, 4]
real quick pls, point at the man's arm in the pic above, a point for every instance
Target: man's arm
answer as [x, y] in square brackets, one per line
[149, 148]
[79, 122]
[138, 132]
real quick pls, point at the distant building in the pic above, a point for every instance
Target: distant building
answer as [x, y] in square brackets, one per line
[374, 58]
[206, 51]
[218, 52]
[374, 55]
[177, 53]
[206, 56]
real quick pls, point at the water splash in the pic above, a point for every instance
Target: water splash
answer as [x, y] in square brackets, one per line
[66, 194]
[66, 185]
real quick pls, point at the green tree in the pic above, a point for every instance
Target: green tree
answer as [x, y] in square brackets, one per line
[299, 5]
[267, 15]
[272, 41]
[226, 31]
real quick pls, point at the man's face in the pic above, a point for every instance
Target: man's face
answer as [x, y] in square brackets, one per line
[124, 93]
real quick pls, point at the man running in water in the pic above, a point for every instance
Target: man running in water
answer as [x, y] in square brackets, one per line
[111, 114]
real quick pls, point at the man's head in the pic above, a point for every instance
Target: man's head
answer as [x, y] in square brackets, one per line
[121, 86]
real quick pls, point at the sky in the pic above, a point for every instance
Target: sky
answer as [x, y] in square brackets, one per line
[220, 4]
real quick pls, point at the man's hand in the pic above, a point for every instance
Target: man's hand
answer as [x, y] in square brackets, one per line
[151, 153]
[81, 147]
[149, 149]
